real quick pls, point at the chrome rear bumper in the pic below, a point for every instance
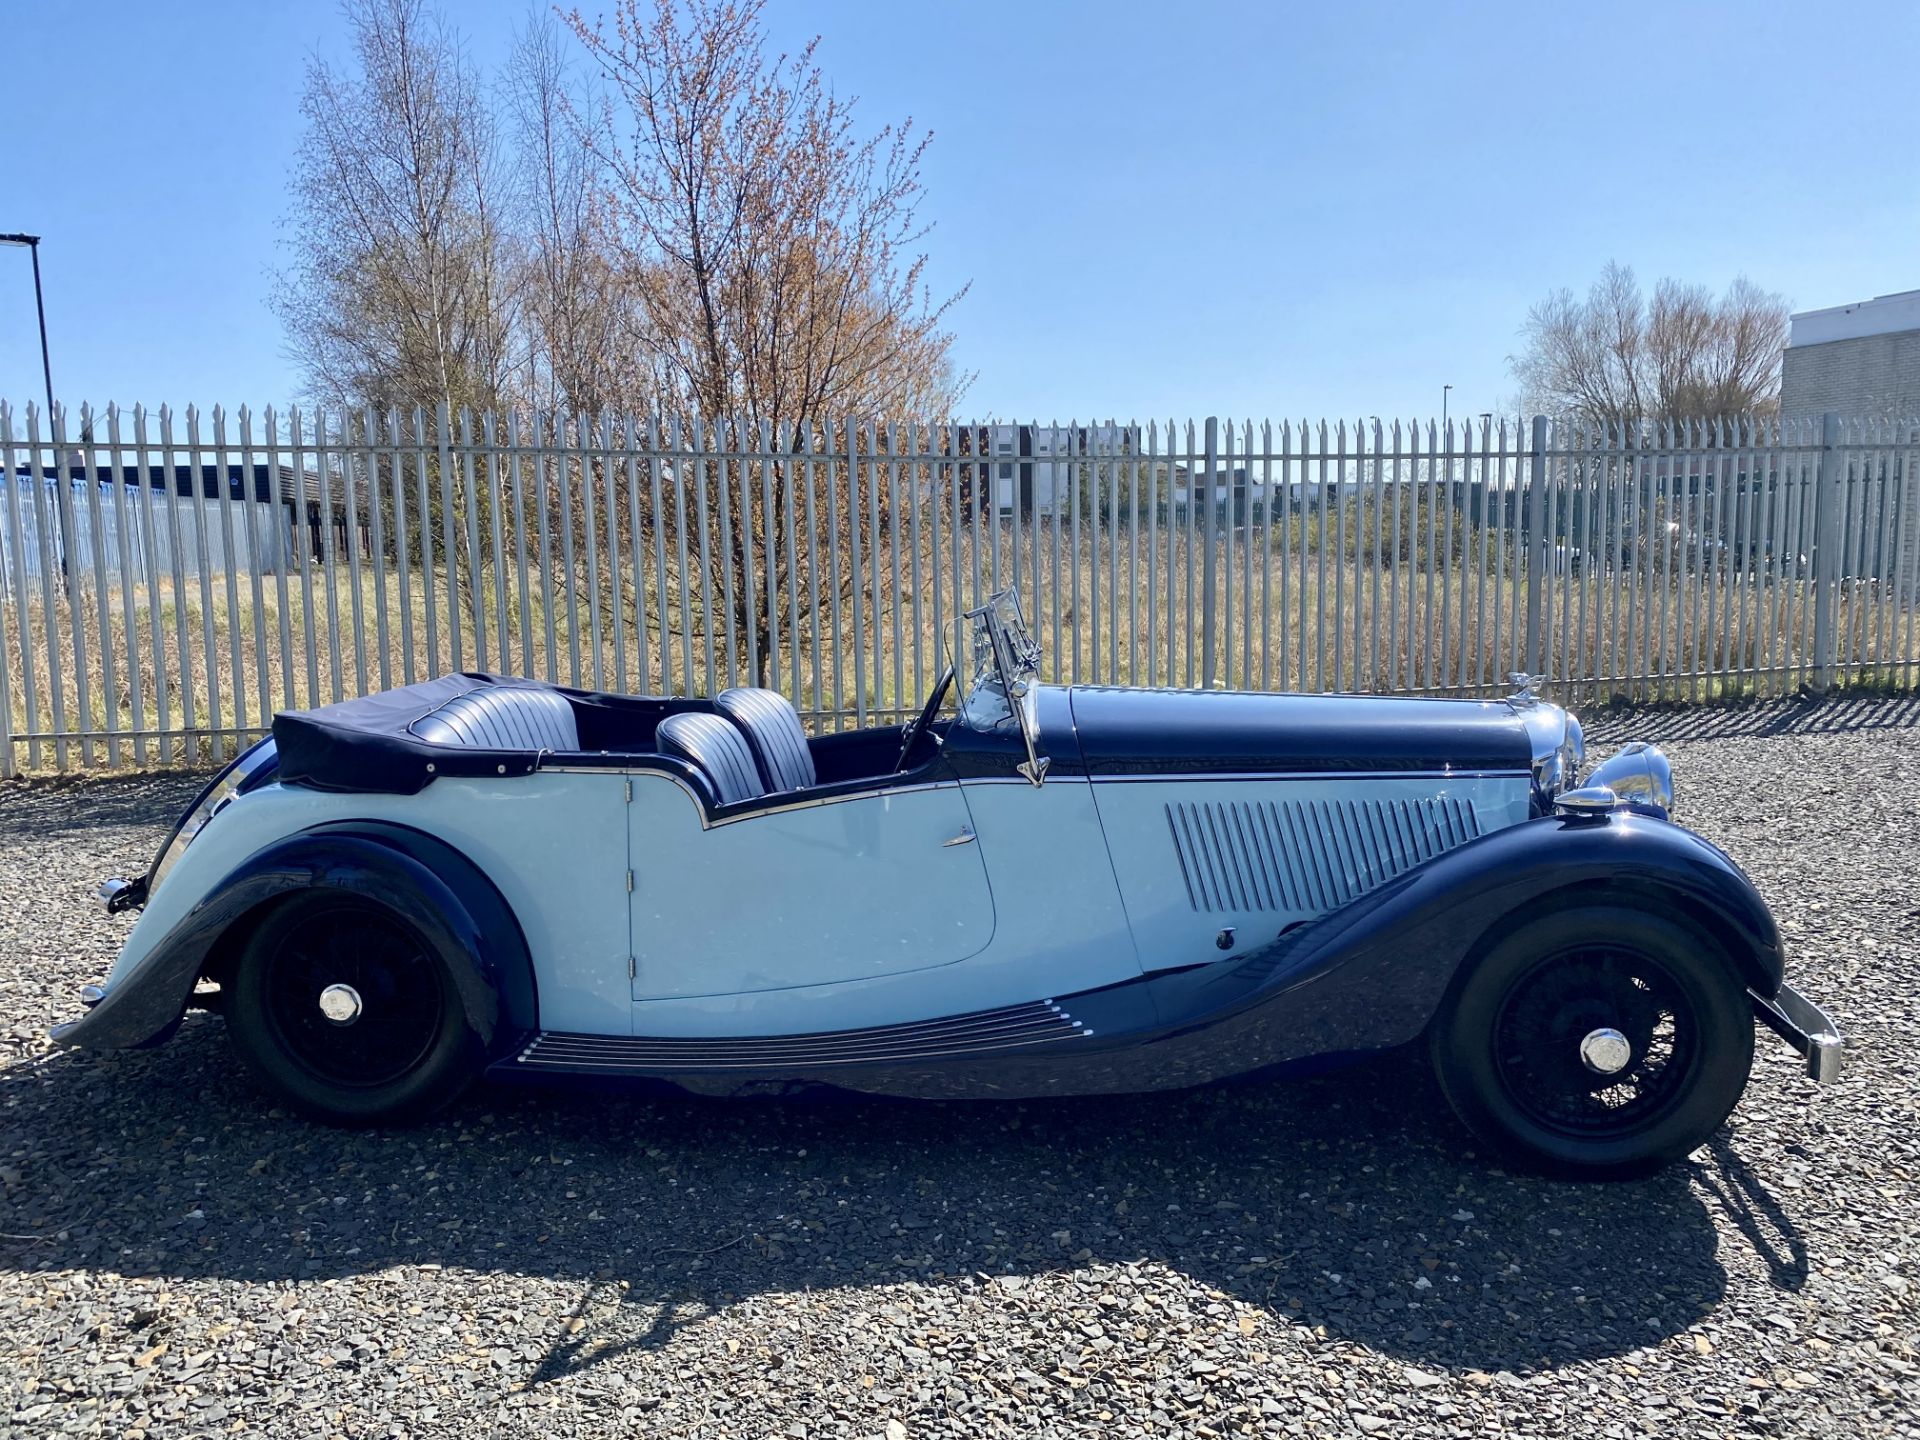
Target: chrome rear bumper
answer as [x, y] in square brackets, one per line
[120, 894]
[1807, 1028]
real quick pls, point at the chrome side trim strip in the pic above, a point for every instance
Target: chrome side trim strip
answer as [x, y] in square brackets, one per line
[816, 802]
[809, 802]
[1190, 776]
[710, 822]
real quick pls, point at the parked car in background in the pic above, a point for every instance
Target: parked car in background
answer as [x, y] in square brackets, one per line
[1056, 891]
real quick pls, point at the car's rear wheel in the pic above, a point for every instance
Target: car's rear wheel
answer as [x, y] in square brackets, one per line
[1598, 1041]
[343, 1008]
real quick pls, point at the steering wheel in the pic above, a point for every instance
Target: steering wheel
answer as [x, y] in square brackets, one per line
[929, 712]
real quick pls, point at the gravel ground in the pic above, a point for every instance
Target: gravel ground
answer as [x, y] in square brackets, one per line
[1325, 1257]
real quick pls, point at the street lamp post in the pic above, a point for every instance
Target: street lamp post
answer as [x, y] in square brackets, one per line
[32, 243]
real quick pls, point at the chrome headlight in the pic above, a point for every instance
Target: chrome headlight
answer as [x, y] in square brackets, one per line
[1574, 747]
[1559, 747]
[255, 766]
[1639, 774]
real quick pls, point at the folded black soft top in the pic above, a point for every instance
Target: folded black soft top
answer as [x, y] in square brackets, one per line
[370, 744]
[366, 744]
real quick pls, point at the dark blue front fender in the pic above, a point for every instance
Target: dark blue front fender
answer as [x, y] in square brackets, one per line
[419, 877]
[1371, 975]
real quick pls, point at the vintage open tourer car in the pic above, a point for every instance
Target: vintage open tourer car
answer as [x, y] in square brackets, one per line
[1056, 891]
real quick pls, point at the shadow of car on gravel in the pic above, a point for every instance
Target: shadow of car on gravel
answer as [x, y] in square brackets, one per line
[1350, 1203]
[1682, 721]
[44, 809]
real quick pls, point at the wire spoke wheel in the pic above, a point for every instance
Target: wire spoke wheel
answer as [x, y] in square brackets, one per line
[1602, 1039]
[1596, 1042]
[352, 996]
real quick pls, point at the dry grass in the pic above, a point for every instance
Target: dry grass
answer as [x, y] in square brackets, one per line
[211, 660]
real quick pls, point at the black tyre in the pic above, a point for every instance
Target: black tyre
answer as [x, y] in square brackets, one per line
[1599, 1041]
[344, 1009]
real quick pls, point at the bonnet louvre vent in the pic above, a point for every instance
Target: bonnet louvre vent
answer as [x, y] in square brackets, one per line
[1308, 855]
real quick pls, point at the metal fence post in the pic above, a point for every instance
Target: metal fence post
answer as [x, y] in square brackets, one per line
[13, 586]
[1535, 516]
[26, 658]
[1827, 549]
[1209, 563]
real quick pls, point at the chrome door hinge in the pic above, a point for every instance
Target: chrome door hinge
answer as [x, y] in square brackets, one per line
[629, 882]
[629, 792]
[633, 968]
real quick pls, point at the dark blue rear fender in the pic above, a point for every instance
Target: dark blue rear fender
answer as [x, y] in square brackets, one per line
[438, 890]
[1371, 975]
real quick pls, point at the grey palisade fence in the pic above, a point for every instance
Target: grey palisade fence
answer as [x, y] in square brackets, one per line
[169, 581]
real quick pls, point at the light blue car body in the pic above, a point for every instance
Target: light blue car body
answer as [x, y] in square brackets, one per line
[1062, 890]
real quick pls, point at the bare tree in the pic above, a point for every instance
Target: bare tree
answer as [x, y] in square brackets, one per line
[711, 240]
[1617, 359]
[398, 294]
[580, 316]
[770, 250]
[770, 245]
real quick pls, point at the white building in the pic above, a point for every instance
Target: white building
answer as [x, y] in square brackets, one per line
[1034, 465]
[1860, 360]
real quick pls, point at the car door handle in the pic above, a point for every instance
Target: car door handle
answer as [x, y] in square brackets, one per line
[965, 837]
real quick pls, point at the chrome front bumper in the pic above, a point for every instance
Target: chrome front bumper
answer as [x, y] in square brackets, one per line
[1807, 1028]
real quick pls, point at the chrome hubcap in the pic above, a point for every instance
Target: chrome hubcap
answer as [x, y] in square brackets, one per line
[341, 1004]
[1605, 1051]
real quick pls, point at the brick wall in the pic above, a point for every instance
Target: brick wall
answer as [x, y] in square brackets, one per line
[1865, 377]
[1871, 376]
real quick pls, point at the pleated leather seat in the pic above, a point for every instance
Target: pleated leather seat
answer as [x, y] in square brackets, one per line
[502, 717]
[774, 732]
[713, 745]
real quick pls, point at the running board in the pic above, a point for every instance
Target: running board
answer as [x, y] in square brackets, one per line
[1014, 1027]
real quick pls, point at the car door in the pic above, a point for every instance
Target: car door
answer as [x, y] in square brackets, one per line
[827, 890]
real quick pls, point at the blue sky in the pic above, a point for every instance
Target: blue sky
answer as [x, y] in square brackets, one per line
[1239, 210]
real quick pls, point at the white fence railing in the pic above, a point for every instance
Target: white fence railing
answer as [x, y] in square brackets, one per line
[168, 586]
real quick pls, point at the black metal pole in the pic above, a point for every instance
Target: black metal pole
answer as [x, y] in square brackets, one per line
[46, 374]
[40, 306]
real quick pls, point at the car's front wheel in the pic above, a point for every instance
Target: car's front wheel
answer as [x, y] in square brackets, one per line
[1599, 1041]
[343, 1008]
